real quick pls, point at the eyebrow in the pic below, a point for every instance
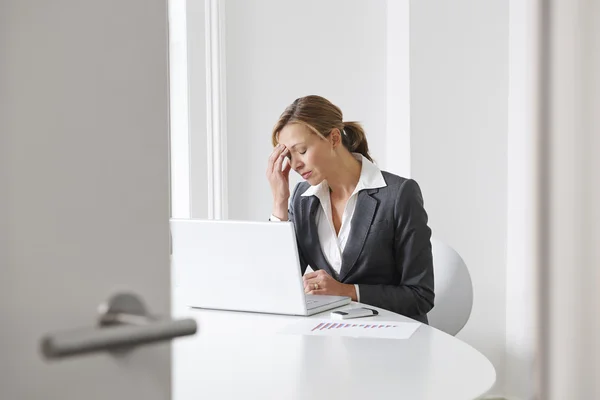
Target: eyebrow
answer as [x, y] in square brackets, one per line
[289, 155]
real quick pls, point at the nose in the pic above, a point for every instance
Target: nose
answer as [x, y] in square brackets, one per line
[296, 164]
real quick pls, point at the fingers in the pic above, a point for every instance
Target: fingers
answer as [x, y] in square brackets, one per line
[274, 157]
[311, 275]
[287, 167]
[274, 154]
[310, 285]
[326, 284]
[308, 282]
[321, 278]
[314, 280]
[278, 166]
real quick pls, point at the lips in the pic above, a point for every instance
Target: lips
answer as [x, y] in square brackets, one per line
[306, 175]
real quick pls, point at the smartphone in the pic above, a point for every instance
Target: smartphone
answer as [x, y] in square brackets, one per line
[354, 313]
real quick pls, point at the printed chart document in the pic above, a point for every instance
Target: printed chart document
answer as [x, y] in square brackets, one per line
[367, 329]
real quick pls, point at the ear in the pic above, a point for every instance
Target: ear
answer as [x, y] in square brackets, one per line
[335, 138]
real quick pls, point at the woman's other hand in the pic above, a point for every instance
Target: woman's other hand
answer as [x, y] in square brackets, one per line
[320, 282]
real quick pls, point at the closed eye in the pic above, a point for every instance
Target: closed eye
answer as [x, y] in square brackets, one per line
[289, 155]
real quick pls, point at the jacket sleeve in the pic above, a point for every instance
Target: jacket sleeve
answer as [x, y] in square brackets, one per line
[414, 295]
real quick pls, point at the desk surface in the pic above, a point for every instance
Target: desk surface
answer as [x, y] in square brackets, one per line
[238, 355]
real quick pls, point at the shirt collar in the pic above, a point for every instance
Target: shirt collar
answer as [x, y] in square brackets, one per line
[370, 178]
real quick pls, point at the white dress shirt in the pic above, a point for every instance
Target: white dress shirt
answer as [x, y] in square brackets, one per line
[333, 244]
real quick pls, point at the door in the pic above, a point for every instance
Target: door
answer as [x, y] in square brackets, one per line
[84, 190]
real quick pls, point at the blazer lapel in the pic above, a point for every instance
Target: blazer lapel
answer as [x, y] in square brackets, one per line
[316, 252]
[361, 222]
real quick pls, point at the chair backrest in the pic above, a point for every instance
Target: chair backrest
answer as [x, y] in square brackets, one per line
[453, 290]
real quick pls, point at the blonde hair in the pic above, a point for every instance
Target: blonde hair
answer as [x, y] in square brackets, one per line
[321, 117]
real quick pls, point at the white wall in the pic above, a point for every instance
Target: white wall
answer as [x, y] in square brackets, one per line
[196, 75]
[522, 214]
[459, 89]
[179, 110]
[277, 51]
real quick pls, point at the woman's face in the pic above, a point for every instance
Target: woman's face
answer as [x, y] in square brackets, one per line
[310, 155]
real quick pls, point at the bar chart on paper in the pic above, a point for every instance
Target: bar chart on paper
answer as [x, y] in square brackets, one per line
[371, 329]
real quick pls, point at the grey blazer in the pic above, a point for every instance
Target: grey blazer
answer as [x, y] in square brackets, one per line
[388, 253]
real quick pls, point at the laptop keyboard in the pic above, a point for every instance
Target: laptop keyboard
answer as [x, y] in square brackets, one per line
[309, 302]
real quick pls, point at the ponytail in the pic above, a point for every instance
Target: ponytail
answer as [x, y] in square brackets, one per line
[355, 140]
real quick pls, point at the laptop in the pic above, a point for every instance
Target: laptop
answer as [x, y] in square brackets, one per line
[243, 266]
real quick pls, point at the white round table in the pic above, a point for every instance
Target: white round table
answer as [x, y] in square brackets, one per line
[238, 355]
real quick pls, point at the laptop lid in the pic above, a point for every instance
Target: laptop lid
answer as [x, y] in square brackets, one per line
[238, 265]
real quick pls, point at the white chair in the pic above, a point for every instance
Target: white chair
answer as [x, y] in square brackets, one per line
[453, 290]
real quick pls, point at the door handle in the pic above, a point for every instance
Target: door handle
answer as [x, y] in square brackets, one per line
[123, 323]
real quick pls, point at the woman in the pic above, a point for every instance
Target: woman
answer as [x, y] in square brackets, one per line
[363, 231]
